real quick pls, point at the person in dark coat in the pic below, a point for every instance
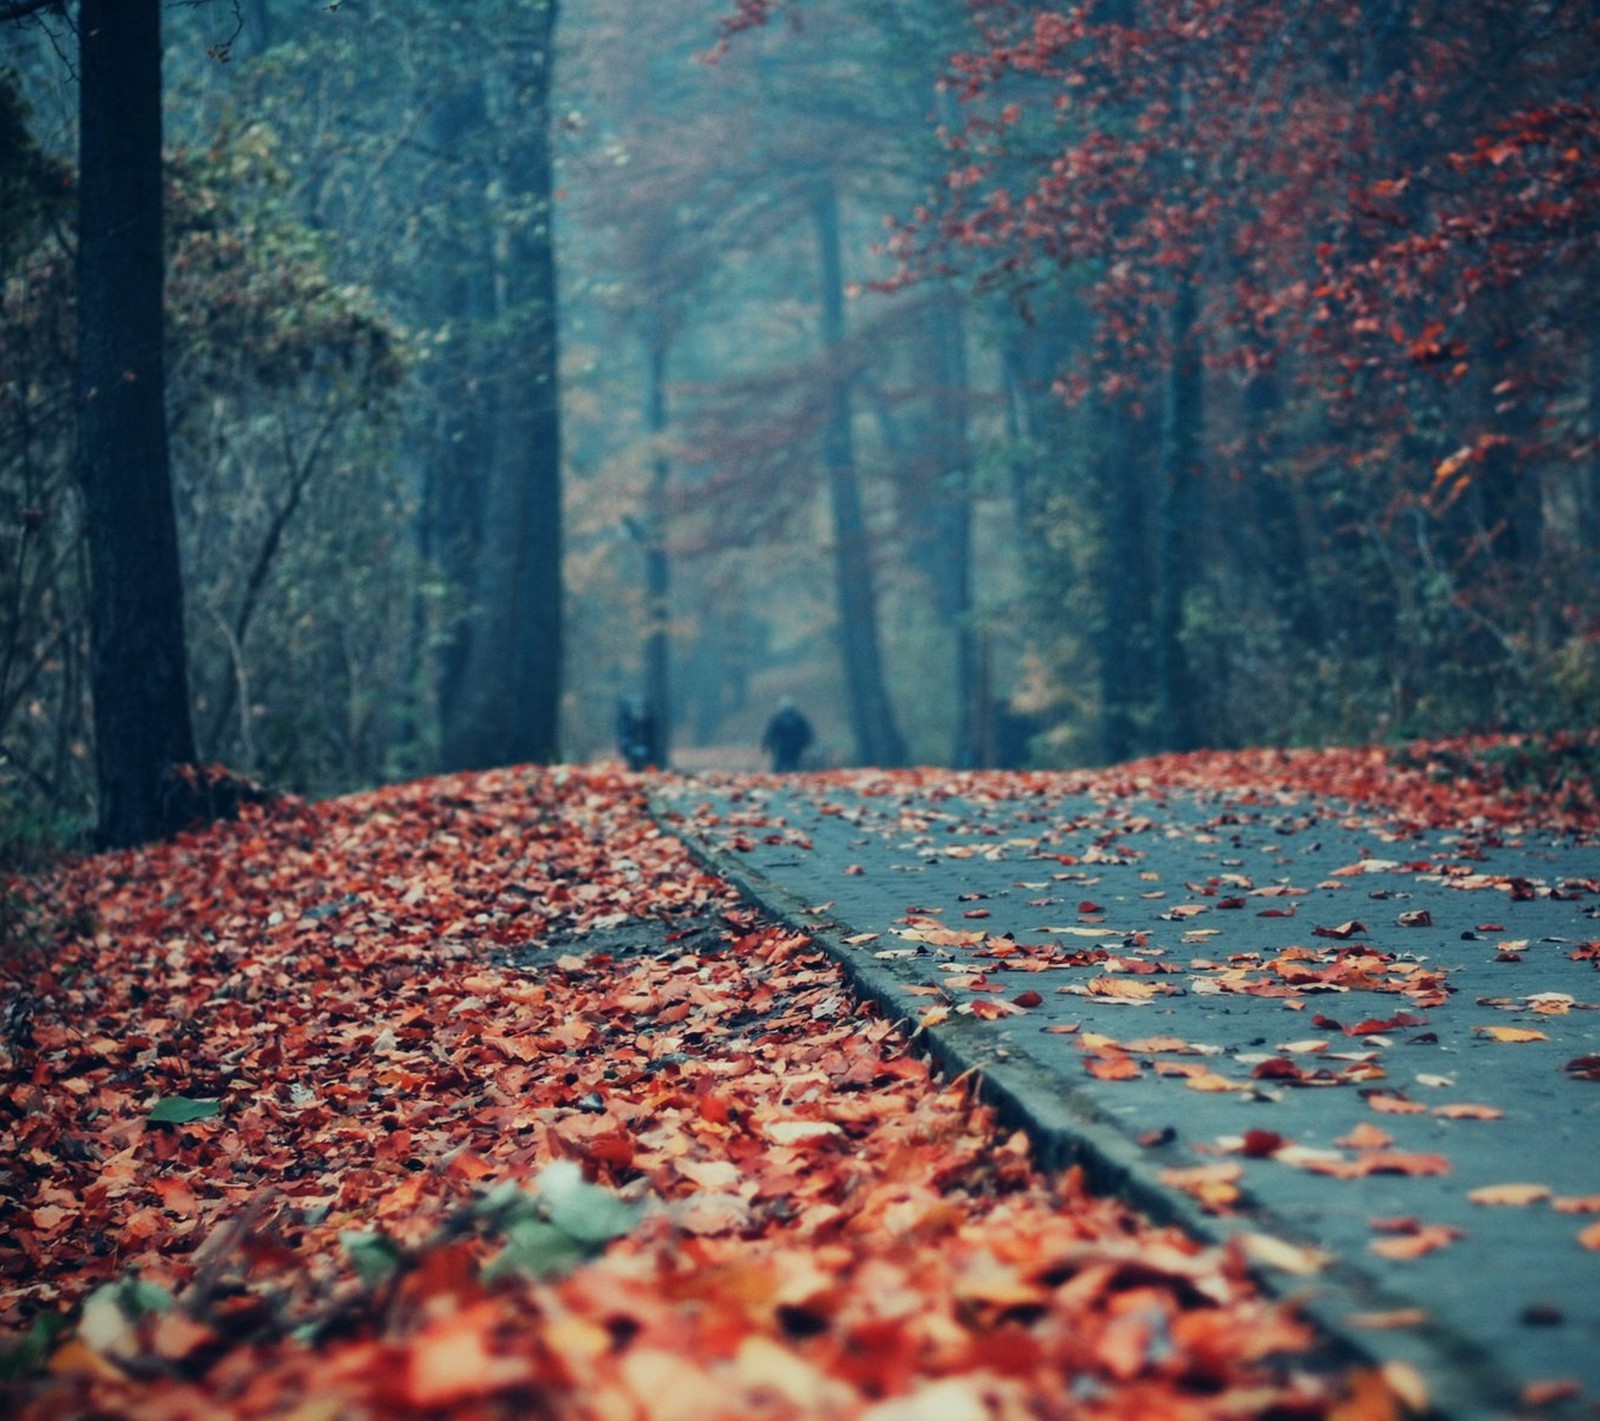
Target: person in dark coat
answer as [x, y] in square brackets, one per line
[787, 737]
[635, 732]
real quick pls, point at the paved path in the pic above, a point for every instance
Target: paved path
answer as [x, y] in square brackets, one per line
[1255, 1019]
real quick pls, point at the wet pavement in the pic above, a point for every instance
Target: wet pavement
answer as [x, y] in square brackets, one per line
[1372, 1056]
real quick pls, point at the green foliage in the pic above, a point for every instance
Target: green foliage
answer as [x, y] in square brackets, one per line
[561, 1222]
[374, 1256]
[180, 1110]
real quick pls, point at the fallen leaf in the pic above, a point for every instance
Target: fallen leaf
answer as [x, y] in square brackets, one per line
[1514, 1195]
[1510, 1033]
[1415, 1242]
[799, 1132]
[1388, 1320]
[1270, 1251]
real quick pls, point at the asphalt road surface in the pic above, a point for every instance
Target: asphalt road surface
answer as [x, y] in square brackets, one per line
[1373, 1057]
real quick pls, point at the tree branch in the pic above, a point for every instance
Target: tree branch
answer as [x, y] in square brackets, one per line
[12, 10]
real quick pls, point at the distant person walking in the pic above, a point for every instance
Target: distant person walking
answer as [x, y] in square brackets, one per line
[636, 732]
[787, 737]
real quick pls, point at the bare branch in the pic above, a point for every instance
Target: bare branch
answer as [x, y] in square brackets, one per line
[13, 10]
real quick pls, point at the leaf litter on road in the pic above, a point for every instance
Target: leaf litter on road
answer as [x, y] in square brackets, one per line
[474, 1096]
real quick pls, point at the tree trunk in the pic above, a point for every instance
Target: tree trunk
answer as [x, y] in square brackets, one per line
[138, 666]
[1590, 526]
[1175, 533]
[1284, 556]
[1124, 582]
[658, 570]
[953, 509]
[872, 720]
[459, 372]
[509, 705]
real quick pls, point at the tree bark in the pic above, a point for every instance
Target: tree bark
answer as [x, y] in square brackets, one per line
[658, 569]
[953, 507]
[1180, 444]
[877, 737]
[138, 666]
[508, 709]
[1123, 641]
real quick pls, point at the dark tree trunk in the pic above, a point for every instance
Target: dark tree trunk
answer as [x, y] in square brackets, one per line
[1175, 533]
[872, 720]
[256, 18]
[1124, 581]
[138, 667]
[462, 449]
[658, 570]
[953, 507]
[508, 710]
[1284, 555]
[1590, 528]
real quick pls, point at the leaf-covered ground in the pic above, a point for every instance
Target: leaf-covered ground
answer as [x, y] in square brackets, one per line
[475, 1096]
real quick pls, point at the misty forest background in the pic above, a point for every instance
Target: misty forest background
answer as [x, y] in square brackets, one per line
[1009, 384]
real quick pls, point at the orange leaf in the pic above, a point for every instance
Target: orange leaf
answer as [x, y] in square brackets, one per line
[1510, 1033]
[1423, 1239]
[1515, 1195]
[1112, 1068]
[1463, 1110]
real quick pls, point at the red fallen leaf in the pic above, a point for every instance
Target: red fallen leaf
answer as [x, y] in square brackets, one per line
[1386, 1320]
[1276, 913]
[1415, 1241]
[1112, 1068]
[1583, 1068]
[1576, 1204]
[1490, 928]
[1260, 1144]
[989, 1010]
[1089, 907]
[1382, 1162]
[854, 870]
[1214, 1185]
[1366, 1136]
[1590, 1237]
[1342, 931]
[1542, 1394]
[450, 1361]
[976, 913]
[1278, 1068]
[1386, 1103]
[1028, 999]
[1463, 1110]
[1327, 1023]
[1230, 903]
[1375, 1027]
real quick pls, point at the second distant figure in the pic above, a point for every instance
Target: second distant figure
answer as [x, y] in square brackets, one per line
[787, 737]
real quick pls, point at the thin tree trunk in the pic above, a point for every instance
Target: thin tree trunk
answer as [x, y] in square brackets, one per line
[658, 570]
[953, 506]
[462, 450]
[1124, 583]
[1175, 544]
[138, 665]
[877, 737]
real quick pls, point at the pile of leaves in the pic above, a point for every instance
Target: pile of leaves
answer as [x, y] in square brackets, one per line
[476, 1096]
